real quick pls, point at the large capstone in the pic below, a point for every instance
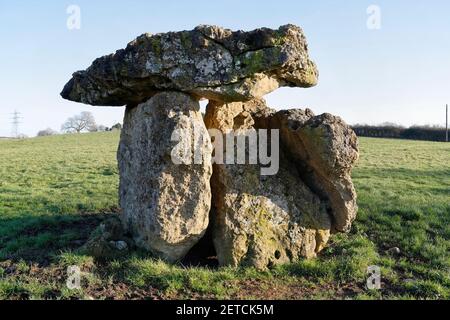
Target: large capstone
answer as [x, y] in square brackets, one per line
[165, 204]
[209, 62]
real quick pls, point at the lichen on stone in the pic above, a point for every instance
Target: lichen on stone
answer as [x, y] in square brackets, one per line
[210, 62]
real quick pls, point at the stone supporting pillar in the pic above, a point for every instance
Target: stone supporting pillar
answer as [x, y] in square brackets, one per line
[165, 205]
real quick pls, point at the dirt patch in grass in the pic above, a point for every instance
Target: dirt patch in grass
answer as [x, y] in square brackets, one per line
[53, 279]
[293, 290]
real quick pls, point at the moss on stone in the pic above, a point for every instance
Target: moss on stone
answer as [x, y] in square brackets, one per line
[279, 39]
[253, 61]
[315, 137]
[186, 40]
[257, 61]
[156, 46]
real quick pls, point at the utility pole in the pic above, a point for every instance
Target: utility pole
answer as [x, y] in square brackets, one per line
[15, 124]
[446, 123]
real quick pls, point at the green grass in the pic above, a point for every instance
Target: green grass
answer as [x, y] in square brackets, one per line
[54, 191]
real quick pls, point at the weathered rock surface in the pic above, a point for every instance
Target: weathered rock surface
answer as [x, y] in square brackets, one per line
[259, 220]
[108, 241]
[209, 62]
[165, 205]
[325, 150]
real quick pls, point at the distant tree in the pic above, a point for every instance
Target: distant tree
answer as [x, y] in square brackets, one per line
[93, 128]
[117, 126]
[85, 121]
[428, 126]
[102, 128]
[46, 132]
[392, 130]
[390, 125]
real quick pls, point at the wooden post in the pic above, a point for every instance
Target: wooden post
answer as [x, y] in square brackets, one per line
[446, 123]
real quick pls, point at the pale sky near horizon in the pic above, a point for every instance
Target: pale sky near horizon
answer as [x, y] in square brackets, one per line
[400, 73]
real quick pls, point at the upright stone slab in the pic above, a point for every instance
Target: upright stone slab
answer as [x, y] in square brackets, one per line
[165, 205]
[325, 150]
[261, 221]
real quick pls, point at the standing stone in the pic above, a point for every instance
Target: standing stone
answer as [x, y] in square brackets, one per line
[261, 221]
[165, 205]
[325, 150]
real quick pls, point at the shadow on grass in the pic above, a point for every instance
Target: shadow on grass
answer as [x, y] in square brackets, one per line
[37, 239]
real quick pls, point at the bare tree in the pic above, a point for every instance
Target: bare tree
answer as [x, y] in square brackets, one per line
[46, 132]
[85, 121]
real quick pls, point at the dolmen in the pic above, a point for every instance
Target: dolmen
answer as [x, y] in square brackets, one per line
[270, 186]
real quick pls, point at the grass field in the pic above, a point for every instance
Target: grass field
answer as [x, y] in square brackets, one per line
[55, 190]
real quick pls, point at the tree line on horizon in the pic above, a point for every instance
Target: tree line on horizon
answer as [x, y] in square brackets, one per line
[395, 131]
[85, 122]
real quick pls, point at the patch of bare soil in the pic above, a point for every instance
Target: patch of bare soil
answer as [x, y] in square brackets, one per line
[292, 290]
[56, 276]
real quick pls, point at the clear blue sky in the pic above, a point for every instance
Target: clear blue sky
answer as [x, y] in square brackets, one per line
[400, 73]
